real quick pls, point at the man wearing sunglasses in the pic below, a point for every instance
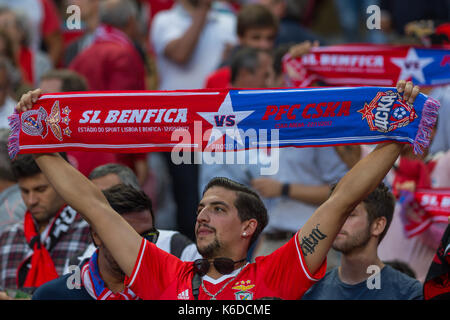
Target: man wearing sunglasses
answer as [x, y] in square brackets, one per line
[106, 177]
[173, 242]
[230, 217]
[100, 276]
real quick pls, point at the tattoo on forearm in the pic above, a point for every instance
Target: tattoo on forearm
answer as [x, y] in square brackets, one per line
[309, 243]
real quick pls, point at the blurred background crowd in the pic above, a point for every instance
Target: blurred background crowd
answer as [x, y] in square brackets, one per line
[193, 44]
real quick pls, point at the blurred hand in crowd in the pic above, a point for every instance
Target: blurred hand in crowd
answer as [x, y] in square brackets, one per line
[302, 48]
[349, 154]
[266, 187]
[420, 28]
[4, 296]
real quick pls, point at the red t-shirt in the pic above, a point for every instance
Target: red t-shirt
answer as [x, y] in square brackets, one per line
[221, 78]
[85, 162]
[110, 66]
[52, 21]
[283, 274]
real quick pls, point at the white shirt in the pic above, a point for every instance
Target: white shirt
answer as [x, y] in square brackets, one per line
[188, 251]
[6, 110]
[168, 25]
[308, 166]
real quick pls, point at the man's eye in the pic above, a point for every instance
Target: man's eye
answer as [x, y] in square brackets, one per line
[219, 209]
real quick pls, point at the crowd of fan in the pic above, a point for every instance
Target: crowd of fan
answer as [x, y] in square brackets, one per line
[193, 44]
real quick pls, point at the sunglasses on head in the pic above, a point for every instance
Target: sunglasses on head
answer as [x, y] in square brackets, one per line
[151, 235]
[222, 265]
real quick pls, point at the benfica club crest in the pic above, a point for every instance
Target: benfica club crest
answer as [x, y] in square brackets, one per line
[387, 112]
[37, 122]
[244, 292]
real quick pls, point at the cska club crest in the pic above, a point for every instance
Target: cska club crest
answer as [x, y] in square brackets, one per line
[387, 112]
[37, 122]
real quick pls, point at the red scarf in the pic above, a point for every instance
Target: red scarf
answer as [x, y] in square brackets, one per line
[368, 65]
[413, 170]
[423, 208]
[213, 120]
[42, 268]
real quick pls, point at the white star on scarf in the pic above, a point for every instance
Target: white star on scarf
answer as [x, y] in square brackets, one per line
[412, 66]
[226, 109]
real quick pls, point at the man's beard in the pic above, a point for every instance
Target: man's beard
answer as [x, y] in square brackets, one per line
[113, 265]
[355, 242]
[210, 250]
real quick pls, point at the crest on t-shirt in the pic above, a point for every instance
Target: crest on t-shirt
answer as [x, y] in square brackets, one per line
[243, 287]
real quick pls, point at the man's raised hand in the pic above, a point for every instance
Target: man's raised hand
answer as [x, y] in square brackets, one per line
[410, 91]
[26, 101]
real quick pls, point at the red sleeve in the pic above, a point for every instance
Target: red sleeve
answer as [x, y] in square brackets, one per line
[154, 271]
[51, 21]
[220, 78]
[285, 271]
[126, 71]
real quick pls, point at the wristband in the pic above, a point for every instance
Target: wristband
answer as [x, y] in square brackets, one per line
[285, 189]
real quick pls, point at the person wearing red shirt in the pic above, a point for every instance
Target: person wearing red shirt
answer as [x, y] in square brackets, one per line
[112, 62]
[230, 217]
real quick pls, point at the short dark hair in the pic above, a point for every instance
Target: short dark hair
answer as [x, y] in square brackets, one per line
[248, 203]
[379, 203]
[255, 16]
[118, 14]
[70, 80]
[24, 166]
[245, 58]
[125, 199]
[125, 174]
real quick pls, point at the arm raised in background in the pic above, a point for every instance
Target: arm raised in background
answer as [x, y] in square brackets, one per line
[180, 50]
[319, 232]
[87, 199]
[310, 194]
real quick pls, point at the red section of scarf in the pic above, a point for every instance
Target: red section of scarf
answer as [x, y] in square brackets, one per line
[42, 267]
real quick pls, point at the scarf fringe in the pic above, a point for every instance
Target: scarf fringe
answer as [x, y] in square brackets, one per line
[430, 113]
[13, 141]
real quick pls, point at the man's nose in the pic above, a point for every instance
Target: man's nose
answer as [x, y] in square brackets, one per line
[203, 215]
[32, 198]
[266, 44]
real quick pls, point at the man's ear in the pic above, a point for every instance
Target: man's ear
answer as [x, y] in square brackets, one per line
[249, 228]
[378, 226]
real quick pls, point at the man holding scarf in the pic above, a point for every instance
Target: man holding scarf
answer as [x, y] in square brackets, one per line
[33, 251]
[101, 277]
[224, 232]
